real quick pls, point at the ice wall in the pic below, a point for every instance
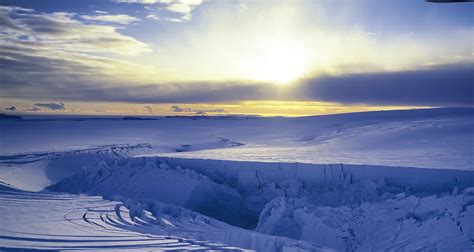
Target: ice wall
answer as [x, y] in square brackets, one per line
[245, 173]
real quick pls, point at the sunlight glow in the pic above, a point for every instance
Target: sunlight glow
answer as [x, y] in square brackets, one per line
[281, 44]
[279, 60]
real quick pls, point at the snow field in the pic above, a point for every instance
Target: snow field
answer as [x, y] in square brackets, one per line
[380, 181]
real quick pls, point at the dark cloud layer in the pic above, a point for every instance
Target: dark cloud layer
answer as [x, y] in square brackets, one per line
[447, 85]
[450, 85]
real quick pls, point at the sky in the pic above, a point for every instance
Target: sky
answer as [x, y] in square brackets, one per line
[193, 57]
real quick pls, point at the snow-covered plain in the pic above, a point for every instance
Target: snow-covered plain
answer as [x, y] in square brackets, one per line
[388, 180]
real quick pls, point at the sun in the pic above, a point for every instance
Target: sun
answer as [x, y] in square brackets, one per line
[279, 61]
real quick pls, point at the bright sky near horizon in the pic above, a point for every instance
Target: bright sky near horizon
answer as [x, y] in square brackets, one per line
[159, 57]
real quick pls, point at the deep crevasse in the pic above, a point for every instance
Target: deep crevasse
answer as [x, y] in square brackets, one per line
[337, 206]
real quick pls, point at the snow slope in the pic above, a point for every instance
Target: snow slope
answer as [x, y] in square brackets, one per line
[391, 180]
[36, 171]
[431, 138]
[442, 138]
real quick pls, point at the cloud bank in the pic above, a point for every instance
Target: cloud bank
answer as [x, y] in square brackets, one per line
[51, 106]
[177, 109]
[18, 109]
[446, 85]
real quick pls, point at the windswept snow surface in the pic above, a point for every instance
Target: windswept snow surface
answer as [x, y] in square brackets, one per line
[51, 221]
[432, 138]
[62, 222]
[379, 181]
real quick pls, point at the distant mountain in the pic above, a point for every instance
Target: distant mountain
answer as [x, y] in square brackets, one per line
[217, 117]
[133, 118]
[9, 117]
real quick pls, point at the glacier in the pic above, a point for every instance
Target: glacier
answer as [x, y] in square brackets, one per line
[380, 181]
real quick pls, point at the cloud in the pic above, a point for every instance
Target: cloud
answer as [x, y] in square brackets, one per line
[149, 109]
[177, 109]
[52, 106]
[183, 8]
[56, 50]
[153, 17]
[174, 20]
[5, 21]
[119, 19]
[59, 32]
[179, 7]
[54, 56]
[17, 109]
